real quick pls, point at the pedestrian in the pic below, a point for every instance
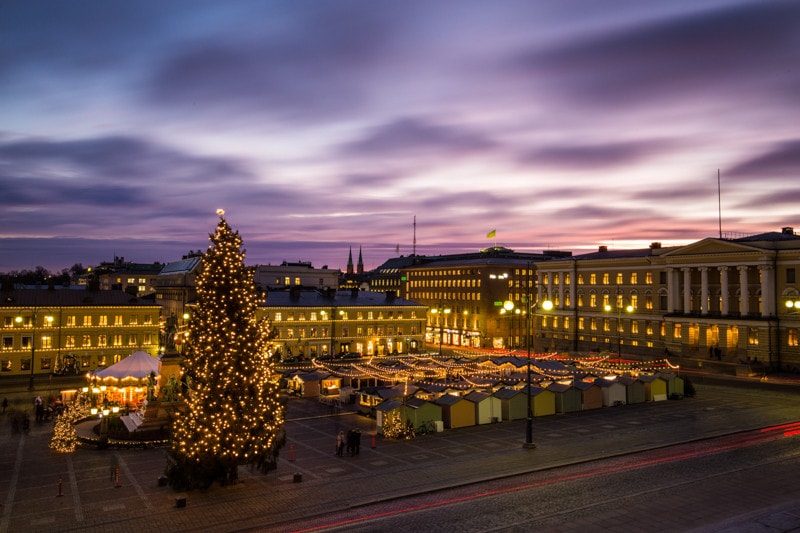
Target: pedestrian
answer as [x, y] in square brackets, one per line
[356, 440]
[340, 443]
[5, 405]
[351, 442]
[39, 406]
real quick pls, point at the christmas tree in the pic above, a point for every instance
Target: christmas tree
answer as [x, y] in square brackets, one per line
[233, 414]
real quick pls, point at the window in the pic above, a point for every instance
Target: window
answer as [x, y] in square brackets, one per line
[69, 342]
[752, 337]
[117, 320]
[634, 278]
[6, 365]
[134, 320]
[26, 342]
[662, 278]
[648, 278]
[8, 343]
[47, 342]
[593, 324]
[87, 320]
[619, 278]
[45, 363]
[102, 320]
[8, 321]
[148, 319]
[790, 277]
[792, 337]
[71, 320]
[593, 279]
[605, 278]
[593, 300]
[102, 341]
[676, 331]
[86, 342]
[132, 340]
[634, 327]
[25, 364]
[117, 340]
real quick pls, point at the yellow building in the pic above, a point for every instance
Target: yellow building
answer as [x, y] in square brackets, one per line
[58, 331]
[317, 323]
[734, 300]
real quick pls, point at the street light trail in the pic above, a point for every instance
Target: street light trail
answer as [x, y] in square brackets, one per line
[620, 464]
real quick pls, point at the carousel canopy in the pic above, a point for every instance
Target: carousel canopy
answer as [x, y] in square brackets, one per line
[137, 365]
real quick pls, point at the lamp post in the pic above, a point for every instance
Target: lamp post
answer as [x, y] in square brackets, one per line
[530, 314]
[628, 309]
[441, 311]
[48, 320]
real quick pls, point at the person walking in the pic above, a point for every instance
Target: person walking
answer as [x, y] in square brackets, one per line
[351, 442]
[356, 440]
[340, 443]
[5, 405]
[39, 406]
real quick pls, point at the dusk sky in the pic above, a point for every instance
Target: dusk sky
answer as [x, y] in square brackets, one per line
[324, 125]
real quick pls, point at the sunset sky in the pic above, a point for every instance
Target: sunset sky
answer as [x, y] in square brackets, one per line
[324, 125]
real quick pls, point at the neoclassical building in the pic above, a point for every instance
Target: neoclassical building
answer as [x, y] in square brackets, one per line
[53, 331]
[724, 298]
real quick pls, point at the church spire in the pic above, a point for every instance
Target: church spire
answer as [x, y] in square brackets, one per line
[350, 262]
[360, 262]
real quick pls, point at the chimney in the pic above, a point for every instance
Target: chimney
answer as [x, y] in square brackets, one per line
[788, 230]
[603, 248]
[655, 245]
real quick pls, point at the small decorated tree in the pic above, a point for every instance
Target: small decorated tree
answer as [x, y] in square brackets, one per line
[234, 415]
[65, 436]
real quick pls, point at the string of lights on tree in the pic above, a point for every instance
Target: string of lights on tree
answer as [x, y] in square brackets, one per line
[234, 415]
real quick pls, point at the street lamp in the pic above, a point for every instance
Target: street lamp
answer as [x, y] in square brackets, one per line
[48, 320]
[530, 313]
[441, 311]
[628, 309]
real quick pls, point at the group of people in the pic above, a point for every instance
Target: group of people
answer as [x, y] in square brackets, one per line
[352, 441]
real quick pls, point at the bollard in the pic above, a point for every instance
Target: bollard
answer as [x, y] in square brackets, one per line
[116, 478]
[298, 477]
[291, 452]
[373, 440]
[59, 488]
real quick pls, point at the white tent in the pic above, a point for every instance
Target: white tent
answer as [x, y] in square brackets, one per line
[138, 365]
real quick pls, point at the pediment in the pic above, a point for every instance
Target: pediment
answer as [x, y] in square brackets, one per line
[712, 246]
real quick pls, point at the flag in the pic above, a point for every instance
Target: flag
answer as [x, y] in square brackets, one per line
[491, 234]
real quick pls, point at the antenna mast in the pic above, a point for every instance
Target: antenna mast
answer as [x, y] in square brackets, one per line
[414, 249]
[719, 204]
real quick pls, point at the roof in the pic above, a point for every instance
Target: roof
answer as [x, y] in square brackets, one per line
[56, 298]
[339, 298]
[181, 267]
[449, 399]
[507, 393]
[388, 405]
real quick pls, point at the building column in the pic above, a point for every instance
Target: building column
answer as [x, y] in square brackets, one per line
[539, 288]
[573, 295]
[703, 290]
[561, 289]
[687, 290]
[767, 290]
[744, 301]
[726, 299]
[550, 286]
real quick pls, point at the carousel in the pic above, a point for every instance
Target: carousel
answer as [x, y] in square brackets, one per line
[128, 383]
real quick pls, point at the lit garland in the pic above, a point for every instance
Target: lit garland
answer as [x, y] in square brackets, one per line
[65, 436]
[234, 415]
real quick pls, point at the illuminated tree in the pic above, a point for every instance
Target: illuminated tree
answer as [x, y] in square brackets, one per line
[65, 436]
[233, 414]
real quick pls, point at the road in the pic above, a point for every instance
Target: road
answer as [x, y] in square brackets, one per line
[697, 486]
[601, 469]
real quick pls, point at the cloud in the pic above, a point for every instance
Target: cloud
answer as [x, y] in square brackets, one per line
[414, 136]
[738, 52]
[777, 163]
[594, 156]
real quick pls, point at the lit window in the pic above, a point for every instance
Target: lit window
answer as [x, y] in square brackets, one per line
[676, 331]
[87, 320]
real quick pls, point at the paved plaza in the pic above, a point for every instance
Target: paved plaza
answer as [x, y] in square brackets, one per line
[44, 491]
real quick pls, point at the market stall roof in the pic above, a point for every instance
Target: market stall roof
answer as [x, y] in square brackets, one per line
[138, 365]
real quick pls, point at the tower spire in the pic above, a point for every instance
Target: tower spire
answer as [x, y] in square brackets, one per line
[350, 262]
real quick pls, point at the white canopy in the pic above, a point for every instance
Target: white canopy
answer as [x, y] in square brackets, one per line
[137, 365]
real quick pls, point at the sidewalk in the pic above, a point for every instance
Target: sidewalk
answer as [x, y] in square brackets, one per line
[92, 499]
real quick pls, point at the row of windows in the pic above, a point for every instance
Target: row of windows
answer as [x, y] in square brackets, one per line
[86, 320]
[47, 363]
[447, 283]
[341, 315]
[360, 331]
[71, 341]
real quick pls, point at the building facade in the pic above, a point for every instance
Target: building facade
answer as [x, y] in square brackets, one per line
[721, 298]
[312, 323]
[62, 331]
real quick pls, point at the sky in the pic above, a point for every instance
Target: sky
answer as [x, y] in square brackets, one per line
[325, 126]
